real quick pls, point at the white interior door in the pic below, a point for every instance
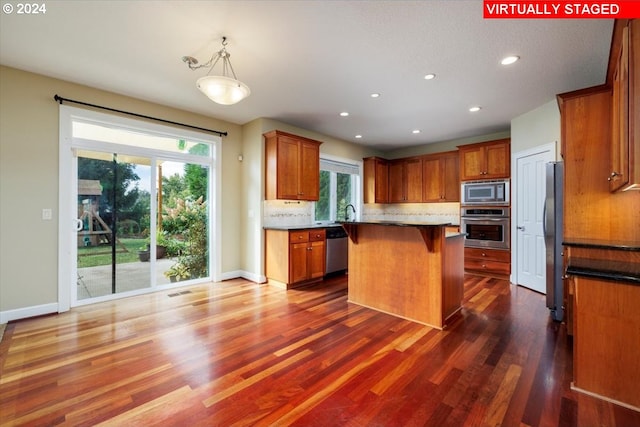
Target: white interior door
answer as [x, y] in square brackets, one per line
[529, 235]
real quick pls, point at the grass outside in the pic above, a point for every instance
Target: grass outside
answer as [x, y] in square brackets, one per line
[92, 256]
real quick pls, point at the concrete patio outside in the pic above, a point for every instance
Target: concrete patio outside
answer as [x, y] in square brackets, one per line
[96, 281]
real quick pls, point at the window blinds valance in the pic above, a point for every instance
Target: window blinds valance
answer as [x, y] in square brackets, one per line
[339, 167]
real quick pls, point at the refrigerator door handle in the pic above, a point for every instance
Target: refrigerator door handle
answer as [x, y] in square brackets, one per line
[544, 218]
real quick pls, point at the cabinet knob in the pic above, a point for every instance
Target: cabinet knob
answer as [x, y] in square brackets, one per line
[613, 175]
[483, 254]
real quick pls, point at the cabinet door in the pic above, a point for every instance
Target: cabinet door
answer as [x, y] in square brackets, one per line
[498, 162]
[376, 180]
[432, 181]
[451, 177]
[316, 259]
[382, 182]
[413, 180]
[471, 163]
[288, 167]
[292, 167]
[309, 172]
[298, 268]
[619, 175]
[396, 182]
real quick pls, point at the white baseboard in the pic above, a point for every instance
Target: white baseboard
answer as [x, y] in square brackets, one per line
[257, 278]
[23, 313]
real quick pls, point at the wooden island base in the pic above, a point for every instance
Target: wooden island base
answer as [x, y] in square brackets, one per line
[411, 271]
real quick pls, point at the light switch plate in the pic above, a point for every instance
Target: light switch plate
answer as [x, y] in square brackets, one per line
[47, 214]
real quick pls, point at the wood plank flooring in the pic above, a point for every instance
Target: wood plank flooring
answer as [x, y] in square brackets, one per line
[236, 353]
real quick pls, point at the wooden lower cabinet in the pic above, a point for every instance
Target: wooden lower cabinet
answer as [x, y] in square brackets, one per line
[606, 349]
[295, 257]
[492, 262]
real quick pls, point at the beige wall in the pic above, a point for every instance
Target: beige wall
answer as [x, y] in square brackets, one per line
[439, 147]
[29, 181]
[536, 127]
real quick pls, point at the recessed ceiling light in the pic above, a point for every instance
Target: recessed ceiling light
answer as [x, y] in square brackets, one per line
[474, 109]
[344, 114]
[358, 136]
[509, 60]
[375, 95]
[430, 76]
[416, 131]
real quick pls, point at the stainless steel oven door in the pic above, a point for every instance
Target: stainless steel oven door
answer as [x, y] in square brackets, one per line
[492, 232]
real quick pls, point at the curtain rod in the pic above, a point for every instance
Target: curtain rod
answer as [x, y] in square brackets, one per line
[60, 99]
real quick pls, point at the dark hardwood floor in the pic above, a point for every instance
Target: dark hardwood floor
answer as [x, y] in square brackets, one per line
[237, 353]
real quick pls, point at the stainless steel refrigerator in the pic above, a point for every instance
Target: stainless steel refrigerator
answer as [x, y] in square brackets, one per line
[552, 223]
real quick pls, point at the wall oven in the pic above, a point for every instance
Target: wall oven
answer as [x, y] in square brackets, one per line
[485, 227]
[485, 193]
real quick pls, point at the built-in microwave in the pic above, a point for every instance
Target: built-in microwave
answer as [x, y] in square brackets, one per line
[485, 193]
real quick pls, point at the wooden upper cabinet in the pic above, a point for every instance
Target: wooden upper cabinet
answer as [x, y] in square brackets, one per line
[413, 180]
[376, 180]
[441, 177]
[585, 126]
[485, 160]
[396, 181]
[432, 175]
[624, 171]
[292, 167]
[405, 180]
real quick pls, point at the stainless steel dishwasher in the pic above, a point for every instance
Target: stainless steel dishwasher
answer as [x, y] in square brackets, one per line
[337, 250]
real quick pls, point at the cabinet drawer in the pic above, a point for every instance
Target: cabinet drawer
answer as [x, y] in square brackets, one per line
[298, 236]
[487, 266]
[487, 254]
[317, 235]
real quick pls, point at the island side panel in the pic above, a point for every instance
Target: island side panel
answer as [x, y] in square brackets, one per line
[277, 256]
[391, 270]
[453, 276]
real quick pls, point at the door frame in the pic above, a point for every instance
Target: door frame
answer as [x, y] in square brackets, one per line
[67, 162]
[544, 148]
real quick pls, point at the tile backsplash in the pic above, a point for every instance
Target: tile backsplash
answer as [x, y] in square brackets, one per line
[287, 213]
[412, 212]
[294, 213]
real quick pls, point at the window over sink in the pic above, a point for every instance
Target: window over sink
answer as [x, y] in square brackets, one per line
[339, 187]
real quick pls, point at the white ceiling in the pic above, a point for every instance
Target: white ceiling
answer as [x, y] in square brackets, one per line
[306, 61]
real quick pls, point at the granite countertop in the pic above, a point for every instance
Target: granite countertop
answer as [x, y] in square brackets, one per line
[449, 234]
[399, 223]
[620, 245]
[619, 271]
[303, 226]
[340, 223]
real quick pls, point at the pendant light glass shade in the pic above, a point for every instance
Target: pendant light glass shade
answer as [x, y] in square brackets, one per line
[223, 90]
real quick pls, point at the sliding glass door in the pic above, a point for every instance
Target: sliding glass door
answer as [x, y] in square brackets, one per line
[141, 206]
[114, 208]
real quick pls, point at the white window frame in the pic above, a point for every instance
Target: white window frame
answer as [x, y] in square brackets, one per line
[67, 206]
[356, 187]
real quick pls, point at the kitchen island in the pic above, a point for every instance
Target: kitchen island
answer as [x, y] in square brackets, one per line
[410, 270]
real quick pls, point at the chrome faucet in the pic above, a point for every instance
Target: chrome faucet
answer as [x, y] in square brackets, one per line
[346, 212]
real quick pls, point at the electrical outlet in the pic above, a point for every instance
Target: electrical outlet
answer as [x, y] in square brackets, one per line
[47, 214]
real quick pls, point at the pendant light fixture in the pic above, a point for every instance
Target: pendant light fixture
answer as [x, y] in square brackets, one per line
[222, 89]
